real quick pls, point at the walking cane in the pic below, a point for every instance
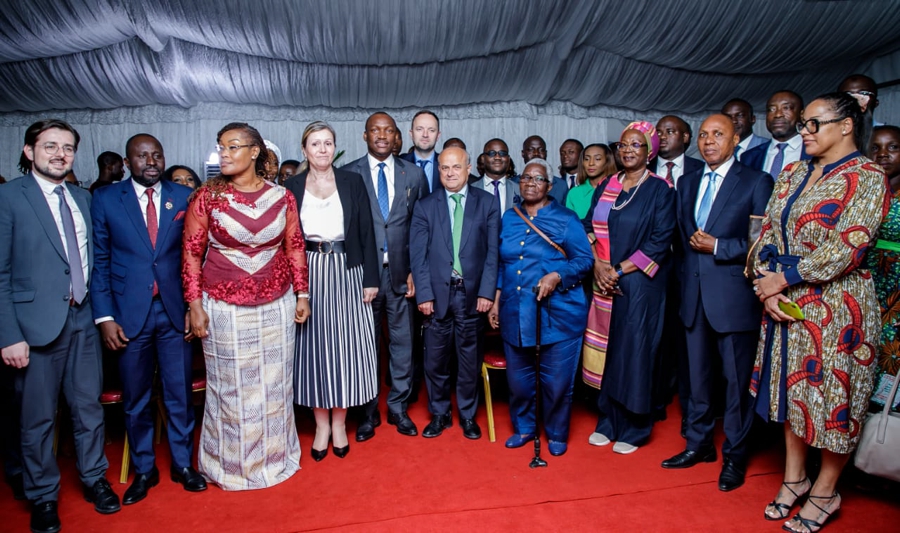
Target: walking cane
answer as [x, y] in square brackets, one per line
[536, 461]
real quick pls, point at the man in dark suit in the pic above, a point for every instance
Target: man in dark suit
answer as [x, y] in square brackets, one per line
[394, 187]
[110, 168]
[496, 172]
[718, 306]
[453, 250]
[674, 138]
[569, 156]
[783, 111]
[139, 306]
[535, 147]
[741, 114]
[425, 132]
[46, 330]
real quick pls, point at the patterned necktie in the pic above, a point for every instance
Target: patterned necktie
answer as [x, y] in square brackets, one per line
[76, 269]
[422, 164]
[457, 231]
[669, 177]
[152, 229]
[383, 201]
[778, 160]
[707, 200]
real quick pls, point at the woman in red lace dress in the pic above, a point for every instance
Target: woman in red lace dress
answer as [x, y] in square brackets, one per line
[243, 255]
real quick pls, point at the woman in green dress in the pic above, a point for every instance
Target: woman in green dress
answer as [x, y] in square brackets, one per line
[597, 162]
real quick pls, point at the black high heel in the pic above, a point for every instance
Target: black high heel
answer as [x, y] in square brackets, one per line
[342, 451]
[783, 509]
[318, 455]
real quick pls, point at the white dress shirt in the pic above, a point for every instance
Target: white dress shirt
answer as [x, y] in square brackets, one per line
[501, 188]
[721, 171]
[81, 229]
[388, 172]
[677, 170]
[792, 153]
[141, 192]
[451, 203]
[744, 145]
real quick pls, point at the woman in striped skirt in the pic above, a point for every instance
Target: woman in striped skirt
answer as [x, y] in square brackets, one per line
[335, 366]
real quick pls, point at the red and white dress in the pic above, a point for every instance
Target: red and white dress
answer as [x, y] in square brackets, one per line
[242, 254]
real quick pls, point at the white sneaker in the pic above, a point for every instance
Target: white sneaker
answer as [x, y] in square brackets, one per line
[624, 448]
[598, 439]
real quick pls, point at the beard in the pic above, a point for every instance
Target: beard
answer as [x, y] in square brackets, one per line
[52, 173]
[146, 181]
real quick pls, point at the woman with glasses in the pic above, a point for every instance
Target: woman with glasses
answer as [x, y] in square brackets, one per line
[543, 257]
[884, 259]
[182, 175]
[630, 223]
[246, 284]
[336, 363]
[819, 342]
[596, 164]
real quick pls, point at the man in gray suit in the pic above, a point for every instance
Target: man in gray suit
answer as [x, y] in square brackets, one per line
[394, 186]
[496, 175]
[46, 328]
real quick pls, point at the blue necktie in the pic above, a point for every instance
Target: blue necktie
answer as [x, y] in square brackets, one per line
[383, 198]
[496, 184]
[422, 163]
[707, 200]
[737, 152]
[778, 160]
[76, 271]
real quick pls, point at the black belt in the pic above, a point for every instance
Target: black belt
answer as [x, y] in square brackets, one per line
[325, 247]
[456, 282]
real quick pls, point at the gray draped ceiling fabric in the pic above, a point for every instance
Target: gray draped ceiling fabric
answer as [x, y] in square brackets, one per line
[638, 55]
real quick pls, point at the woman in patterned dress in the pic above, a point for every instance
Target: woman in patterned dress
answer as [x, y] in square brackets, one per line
[243, 253]
[815, 374]
[884, 259]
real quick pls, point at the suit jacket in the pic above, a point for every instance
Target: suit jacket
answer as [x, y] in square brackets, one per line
[34, 267]
[431, 249]
[716, 281]
[435, 174]
[409, 187]
[755, 158]
[359, 231]
[513, 196]
[690, 165]
[126, 263]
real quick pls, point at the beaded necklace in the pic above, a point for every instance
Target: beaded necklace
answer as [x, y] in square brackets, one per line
[634, 193]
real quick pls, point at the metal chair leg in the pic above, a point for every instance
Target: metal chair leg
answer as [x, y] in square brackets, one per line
[487, 402]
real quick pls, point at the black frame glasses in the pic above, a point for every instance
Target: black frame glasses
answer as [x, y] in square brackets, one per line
[525, 178]
[812, 125]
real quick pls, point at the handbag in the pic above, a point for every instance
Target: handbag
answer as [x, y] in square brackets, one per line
[754, 234]
[880, 440]
[557, 247]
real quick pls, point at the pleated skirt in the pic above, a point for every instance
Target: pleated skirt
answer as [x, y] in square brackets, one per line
[336, 358]
[249, 438]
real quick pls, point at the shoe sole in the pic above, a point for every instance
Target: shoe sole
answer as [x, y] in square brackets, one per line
[708, 459]
[626, 452]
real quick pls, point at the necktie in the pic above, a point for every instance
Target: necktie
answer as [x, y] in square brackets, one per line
[496, 184]
[383, 201]
[778, 160]
[707, 200]
[422, 164]
[152, 229]
[737, 152]
[76, 271]
[571, 181]
[669, 177]
[457, 231]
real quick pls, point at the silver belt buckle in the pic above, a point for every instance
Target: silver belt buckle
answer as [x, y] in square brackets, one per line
[322, 247]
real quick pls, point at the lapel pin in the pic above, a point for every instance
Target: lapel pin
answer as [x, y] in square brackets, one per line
[169, 205]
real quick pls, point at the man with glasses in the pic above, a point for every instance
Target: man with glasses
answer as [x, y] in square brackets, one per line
[46, 327]
[535, 147]
[496, 172]
[782, 116]
[671, 162]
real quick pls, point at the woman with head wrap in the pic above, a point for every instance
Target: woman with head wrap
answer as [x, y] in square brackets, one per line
[630, 224]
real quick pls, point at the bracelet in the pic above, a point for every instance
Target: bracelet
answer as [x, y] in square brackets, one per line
[303, 295]
[619, 271]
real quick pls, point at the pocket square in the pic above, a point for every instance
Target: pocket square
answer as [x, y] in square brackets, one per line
[179, 215]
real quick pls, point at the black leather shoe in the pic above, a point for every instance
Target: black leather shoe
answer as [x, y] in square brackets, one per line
[17, 483]
[102, 496]
[437, 425]
[318, 455]
[140, 486]
[689, 458]
[45, 518]
[189, 478]
[470, 428]
[342, 451]
[405, 426]
[732, 475]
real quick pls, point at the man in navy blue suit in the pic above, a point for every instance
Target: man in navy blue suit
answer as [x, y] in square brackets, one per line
[674, 138]
[783, 111]
[139, 306]
[721, 313]
[425, 132]
[741, 113]
[454, 238]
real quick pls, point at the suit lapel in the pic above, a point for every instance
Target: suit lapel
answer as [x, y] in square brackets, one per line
[165, 214]
[132, 208]
[401, 186]
[444, 226]
[729, 183]
[691, 207]
[35, 196]
[468, 216]
[362, 168]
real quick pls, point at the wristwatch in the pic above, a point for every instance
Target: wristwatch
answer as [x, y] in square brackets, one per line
[619, 271]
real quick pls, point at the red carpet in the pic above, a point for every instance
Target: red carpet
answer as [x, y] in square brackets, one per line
[397, 483]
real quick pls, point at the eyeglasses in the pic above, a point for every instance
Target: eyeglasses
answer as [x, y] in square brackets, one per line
[863, 93]
[633, 146]
[231, 149]
[495, 153]
[525, 178]
[53, 149]
[812, 125]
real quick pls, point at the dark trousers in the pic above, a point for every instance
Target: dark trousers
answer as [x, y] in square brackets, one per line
[736, 352]
[621, 425]
[558, 364]
[396, 309]
[159, 342]
[10, 430]
[440, 334]
[71, 364]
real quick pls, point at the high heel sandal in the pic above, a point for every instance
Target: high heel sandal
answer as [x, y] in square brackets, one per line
[811, 525]
[783, 509]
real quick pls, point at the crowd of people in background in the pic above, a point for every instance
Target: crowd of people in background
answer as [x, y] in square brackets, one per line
[758, 283]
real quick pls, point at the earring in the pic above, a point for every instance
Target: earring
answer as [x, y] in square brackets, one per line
[252, 157]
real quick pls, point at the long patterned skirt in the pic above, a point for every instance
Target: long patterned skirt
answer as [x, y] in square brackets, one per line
[336, 360]
[249, 439]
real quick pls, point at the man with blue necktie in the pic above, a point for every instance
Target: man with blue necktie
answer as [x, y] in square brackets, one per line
[782, 116]
[425, 132]
[719, 309]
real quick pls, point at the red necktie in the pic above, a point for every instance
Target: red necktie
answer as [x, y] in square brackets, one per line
[669, 177]
[152, 229]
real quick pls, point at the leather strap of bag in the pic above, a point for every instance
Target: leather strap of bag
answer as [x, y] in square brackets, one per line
[541, 233]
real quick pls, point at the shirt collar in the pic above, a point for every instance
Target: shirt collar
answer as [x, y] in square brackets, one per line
[47, 186]
[745, 144]
[140, 189]
[679, 162]
[793, 143]
[388, 163]
[463, 192]
[488, 182]
[722, 170]
[417, 158]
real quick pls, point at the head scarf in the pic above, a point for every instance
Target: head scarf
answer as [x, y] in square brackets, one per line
[649, 131]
